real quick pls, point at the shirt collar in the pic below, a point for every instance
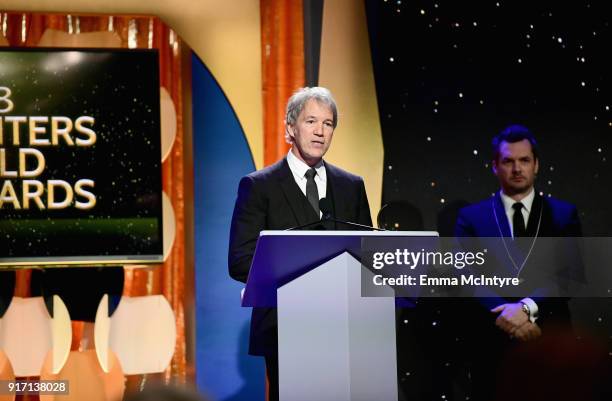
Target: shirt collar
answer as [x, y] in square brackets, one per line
[527, 201]
[299, 168]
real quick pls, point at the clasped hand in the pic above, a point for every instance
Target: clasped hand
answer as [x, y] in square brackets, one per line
[514, 321]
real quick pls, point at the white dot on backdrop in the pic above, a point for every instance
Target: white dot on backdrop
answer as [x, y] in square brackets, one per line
[460, 94]
[422, 12]
[475, 152]
[391, 59]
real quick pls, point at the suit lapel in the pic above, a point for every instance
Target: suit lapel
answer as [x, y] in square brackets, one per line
[507, 247]
[294, 196]
[502, 219]
[534, 215]
[331, 195]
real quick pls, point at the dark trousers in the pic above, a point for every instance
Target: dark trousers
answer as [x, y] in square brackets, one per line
[272, 374]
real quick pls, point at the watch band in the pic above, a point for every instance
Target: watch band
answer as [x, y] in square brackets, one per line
[525, 308]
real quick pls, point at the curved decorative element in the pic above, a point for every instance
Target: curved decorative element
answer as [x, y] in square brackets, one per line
[57, 38]
[213, 207]
[169, 222]
[87, 380]
[61, 334]
[168, 122]
[143, 334]
[101, 333]
[26, 335]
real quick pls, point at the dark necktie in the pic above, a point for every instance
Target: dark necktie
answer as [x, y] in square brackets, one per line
[518, 222]
[312, 193]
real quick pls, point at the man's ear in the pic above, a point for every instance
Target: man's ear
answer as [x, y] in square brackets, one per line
[289, 130]
[494, 166]
[537, 166]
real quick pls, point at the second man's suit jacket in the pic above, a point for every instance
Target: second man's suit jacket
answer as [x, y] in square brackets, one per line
[270, 199]
[558, 219]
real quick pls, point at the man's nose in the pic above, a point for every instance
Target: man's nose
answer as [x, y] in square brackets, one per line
[516, 167]
[318, 131]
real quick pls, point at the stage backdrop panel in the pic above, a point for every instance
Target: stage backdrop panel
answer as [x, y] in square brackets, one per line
[80, 163]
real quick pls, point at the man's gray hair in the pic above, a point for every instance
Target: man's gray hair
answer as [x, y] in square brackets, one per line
[296, 103]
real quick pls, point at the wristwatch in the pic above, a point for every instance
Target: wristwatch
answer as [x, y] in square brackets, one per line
[525, 308]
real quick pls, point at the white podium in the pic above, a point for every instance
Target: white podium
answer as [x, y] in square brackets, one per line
[333, 344]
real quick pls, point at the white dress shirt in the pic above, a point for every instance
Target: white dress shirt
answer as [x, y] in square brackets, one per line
[527, 202]
[299, 168]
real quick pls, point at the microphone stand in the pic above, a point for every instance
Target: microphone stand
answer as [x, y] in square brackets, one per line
[350, 223]
[305, 225]
[327, 217]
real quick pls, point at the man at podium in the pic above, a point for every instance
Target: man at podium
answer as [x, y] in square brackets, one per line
[287, 194]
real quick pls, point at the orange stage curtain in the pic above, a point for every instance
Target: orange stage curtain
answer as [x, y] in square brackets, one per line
[282, 55]
[25, 30]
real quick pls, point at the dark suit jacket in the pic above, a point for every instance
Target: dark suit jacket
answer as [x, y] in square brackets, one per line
[270, 199]
[559, 219]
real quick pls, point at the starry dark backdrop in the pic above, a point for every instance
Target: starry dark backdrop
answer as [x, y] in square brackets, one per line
[450, 75]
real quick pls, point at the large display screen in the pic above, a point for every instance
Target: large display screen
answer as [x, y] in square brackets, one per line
[80, 157]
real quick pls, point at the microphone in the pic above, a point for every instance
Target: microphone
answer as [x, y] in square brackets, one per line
[325, 207]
